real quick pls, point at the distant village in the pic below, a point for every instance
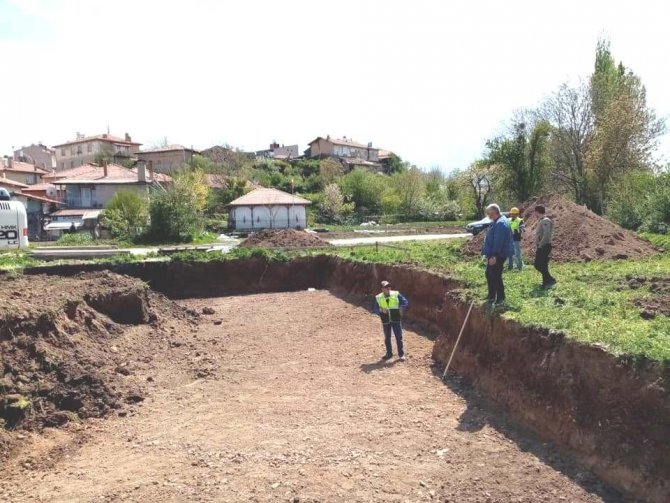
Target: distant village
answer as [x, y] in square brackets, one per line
[66, 186]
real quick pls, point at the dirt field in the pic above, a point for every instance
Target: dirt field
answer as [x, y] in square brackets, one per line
[281, 397]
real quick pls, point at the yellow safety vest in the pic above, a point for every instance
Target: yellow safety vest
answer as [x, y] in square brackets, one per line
[515, 223]
[393, 302]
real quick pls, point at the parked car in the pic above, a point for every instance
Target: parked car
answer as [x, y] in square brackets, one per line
[478, 226]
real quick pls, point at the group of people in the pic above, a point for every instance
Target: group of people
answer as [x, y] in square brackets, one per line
[503, 244]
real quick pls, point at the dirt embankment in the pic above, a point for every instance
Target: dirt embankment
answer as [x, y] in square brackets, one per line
[284, 238]
[58, 356]
[579, 234]
[611, 413]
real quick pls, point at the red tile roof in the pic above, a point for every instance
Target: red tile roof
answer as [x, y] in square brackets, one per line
[22, 167]
[100, 137]
[92, 173]
[11, 183]
[268, 197]
[39, 187]
[39, 198]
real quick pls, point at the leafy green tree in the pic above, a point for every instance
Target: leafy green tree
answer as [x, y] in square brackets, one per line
[363, 189]
[176, 211]
[523, 158]
[332, 204]
[479, 180]
[395, 164]
[125, 214]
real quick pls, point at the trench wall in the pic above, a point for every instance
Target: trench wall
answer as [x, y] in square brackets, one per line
[611, 413]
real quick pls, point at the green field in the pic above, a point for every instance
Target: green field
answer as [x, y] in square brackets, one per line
[591, 302]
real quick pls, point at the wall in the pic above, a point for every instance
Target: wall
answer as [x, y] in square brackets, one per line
[100, 194]
[38, 155]
[167, 162]
[264, 217]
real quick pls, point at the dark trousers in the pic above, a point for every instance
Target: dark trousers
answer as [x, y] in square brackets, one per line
[542, 264]
[397, 330]
[494, 278]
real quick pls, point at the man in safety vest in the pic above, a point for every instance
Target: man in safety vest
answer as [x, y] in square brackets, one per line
[517, 227]
[388, 306]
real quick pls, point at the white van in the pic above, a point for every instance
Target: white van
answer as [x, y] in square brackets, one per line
[13, 223]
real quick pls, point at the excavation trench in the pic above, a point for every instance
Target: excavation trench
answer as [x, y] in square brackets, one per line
[612, 414]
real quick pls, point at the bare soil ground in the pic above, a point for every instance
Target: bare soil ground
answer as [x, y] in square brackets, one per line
[281, 397]
[283, 238]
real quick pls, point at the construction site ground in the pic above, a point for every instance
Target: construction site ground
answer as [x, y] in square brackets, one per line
[282, 397]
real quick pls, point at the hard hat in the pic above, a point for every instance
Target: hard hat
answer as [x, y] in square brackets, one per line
[385, 284]
[514, 211]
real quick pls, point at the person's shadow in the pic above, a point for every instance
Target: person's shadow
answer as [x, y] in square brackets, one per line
[378, 365]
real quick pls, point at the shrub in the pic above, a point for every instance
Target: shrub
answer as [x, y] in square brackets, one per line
[125, 214]
[76, 239]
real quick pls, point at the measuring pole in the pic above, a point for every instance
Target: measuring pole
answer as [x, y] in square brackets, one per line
[467, 316]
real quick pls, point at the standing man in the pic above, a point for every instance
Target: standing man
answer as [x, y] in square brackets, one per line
[543, 235]
[388, 306]
[497, 249]
[518, 228]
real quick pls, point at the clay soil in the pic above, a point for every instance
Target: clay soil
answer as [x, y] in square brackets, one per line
[284, 238]
[281, 397]
[579, 234]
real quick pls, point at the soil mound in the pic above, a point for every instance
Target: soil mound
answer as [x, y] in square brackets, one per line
[579, 234]
[58, 355]
[284, 238]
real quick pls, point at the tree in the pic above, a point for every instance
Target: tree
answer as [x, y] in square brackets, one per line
[410, 187]
[332, 204]
[330, 171]
[395, 164]
[176, 210]
[569, 112]
[522, 156]
[363, 189]
[478, 178]
[125, 214]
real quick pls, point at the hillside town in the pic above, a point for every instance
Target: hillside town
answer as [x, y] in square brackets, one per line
[66, 186]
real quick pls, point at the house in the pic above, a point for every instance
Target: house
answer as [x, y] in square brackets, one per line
[64, 220]
[21, 172]
[342, 148]
[11, 185]
[38, 207]
[37, 154]
[91, 186]
[268, 209]
[88, 149]
[167, 159]
[283, 152]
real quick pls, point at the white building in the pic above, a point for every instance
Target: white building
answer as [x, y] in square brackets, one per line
[268, 209]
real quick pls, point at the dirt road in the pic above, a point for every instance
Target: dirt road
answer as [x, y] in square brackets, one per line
[292, 404]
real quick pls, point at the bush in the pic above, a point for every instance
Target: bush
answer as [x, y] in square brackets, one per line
[176, 211]
[125, 214]
[77, 239]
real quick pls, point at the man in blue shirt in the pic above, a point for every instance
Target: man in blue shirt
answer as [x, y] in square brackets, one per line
[497, 249]
[388, 305]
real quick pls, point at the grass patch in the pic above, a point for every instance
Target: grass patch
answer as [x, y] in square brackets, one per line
[392, 227]
[661, 241]
[16, 260]
[591, 302]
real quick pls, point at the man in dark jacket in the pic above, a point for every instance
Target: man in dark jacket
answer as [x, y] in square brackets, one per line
[388, 305]
[497, 249]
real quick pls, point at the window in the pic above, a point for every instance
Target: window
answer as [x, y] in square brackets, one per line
[62, 165]
[89, 147]
[62, 152]
[71, 150]
[72, 164]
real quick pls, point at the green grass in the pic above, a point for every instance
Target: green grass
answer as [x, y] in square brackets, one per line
[391, 227]
[662, 241]
[16, 260]
[591, 302]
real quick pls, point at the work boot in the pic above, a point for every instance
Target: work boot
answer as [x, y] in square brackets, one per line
[402, 358]
[387, 357]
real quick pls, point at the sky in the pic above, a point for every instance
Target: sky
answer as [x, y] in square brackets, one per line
[430, 80]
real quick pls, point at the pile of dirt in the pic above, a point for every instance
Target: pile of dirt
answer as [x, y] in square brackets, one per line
[284, 238]
[579, 234]
[59, 359]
